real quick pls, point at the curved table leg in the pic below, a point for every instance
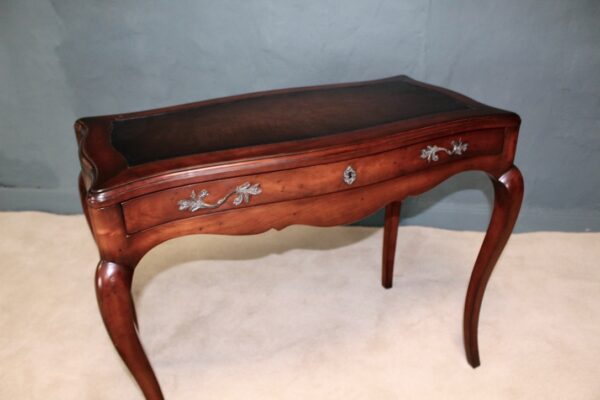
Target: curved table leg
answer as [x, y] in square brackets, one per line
[113, 290]
[508, 196]
[390, 232]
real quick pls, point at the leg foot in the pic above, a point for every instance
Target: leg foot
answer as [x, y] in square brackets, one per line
[508, 196]
[113, 290]
[390, 232]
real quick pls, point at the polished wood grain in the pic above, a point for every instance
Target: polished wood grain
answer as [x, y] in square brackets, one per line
[135, 170]
[113, 291]
[109, 178]
[508, 191]
[390, 233]
[157, 208]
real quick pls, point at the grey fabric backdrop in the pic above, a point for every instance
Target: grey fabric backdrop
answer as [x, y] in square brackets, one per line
[64, 59]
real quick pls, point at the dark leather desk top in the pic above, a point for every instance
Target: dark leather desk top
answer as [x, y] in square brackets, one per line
[117, 150]
[276, 118]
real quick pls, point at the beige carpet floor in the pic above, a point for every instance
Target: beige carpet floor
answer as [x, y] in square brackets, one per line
[300, 314]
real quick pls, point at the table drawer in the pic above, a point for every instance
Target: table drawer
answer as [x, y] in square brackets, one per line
[251, 190]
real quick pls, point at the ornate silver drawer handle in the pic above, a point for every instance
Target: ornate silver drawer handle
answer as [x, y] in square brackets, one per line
[242, 192]
[430, 152]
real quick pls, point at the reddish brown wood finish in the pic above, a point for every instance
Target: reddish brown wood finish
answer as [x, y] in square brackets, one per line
[113, 290]
[508, 196]
[157, 208]
[131, 200]
[390, 233]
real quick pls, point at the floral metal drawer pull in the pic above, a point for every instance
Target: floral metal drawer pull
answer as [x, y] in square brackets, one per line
[430, 152]
[242, 192]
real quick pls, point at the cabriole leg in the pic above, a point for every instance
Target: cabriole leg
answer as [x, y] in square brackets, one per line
[113, 290]
[390, 232]
[508, 196]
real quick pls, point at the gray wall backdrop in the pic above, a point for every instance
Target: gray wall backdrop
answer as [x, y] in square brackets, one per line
[64, 59]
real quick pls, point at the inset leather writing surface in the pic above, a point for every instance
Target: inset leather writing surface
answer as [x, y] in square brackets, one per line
[275, 118]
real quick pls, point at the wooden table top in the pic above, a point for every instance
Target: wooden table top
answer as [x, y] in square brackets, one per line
[120, 150]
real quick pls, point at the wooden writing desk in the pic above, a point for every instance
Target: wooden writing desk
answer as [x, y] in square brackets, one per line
[323, 156]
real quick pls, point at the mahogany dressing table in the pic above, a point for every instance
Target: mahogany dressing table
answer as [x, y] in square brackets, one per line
[322, 156]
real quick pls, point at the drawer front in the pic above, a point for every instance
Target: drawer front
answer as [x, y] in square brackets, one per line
[251, 190]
